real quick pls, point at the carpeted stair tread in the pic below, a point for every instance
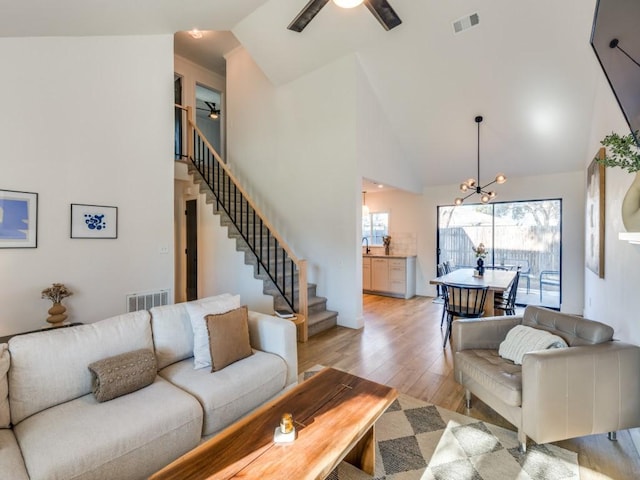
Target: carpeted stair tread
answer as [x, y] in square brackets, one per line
[321, 321]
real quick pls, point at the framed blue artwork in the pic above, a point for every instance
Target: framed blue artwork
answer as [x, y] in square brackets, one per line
[93, 221]
[18, 219]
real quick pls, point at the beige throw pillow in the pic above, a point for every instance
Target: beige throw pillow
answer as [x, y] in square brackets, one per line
[121, 374]
[197, 311]
[228, 337]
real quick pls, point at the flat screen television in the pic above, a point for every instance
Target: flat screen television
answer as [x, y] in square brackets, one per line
[615, 39]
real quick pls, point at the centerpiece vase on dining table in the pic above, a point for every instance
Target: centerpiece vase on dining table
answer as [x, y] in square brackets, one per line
[480, 268]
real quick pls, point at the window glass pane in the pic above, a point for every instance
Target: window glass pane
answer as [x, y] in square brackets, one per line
[461, 229]
[379, 227]
[366, 227]
[375, 226]
[519, 235]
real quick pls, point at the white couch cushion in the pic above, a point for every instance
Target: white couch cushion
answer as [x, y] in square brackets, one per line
[11, 463]
[129, 437]
[5, 417]
[51, 367]
[172, 333]
[198, 310]
[235, 390]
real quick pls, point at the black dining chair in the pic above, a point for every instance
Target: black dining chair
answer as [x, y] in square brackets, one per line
[507, 303]
[441, 271]
[462, 301]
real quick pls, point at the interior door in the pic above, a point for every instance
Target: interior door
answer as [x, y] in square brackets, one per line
[192, 249]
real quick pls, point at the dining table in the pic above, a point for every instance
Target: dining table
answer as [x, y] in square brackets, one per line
[494, 280]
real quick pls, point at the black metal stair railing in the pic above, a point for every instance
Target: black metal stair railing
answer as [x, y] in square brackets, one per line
[273, 258]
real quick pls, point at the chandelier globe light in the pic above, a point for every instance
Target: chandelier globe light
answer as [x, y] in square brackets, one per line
[347, 3]
[472, 185]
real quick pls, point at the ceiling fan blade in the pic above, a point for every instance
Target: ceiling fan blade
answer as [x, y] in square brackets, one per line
[306, 15]
[384, 13]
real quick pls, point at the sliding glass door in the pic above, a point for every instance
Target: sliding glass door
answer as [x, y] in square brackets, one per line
[522, 235]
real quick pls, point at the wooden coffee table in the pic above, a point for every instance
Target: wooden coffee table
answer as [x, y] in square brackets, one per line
[334, 415]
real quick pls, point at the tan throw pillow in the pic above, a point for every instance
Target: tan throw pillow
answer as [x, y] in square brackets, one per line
[121, 374]
[228, 337]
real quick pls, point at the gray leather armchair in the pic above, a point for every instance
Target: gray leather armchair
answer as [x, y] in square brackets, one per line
[591, 387]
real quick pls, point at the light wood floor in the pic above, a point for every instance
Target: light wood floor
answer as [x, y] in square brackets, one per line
[401, 346]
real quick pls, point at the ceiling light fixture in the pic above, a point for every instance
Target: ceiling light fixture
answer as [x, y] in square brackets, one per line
[214, 114]
[615, 44]
[474, 185]
[347, 3]
[365, 209]
[195, 33]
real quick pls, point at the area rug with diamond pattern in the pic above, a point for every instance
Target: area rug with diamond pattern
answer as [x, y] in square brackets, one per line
[419, 441]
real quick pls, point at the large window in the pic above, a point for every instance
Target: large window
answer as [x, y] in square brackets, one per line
[375, 226]
[519, 235]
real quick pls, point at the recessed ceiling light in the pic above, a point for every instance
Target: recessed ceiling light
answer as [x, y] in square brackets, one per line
[195, 33]
[380, 186]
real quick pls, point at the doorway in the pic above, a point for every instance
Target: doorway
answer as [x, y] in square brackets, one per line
[209, 116]
[191, 251]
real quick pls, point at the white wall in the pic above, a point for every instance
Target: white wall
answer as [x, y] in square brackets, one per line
[87, 120]
[380, 155]
[614, 299]
[405, 216]
[293, 147]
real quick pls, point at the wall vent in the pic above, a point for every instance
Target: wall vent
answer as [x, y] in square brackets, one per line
[466, 22]
[147, 300]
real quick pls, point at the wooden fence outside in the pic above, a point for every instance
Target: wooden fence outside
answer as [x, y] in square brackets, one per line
[537, 247]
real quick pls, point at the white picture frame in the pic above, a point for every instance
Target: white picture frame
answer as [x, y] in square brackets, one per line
[94, 221]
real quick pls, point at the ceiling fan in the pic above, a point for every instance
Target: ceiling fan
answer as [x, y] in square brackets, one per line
[214, 113]
[381, 9]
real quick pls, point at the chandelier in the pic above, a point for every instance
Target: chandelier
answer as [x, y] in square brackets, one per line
[473, 185]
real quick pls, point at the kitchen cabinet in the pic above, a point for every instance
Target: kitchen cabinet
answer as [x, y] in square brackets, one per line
[366, 273]
[389, 275]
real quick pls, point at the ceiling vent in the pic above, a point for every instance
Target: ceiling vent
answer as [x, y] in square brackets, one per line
[466, 22]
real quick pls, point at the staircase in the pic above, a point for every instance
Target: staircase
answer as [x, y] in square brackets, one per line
[282, 274]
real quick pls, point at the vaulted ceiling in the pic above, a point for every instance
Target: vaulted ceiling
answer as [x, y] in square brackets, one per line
[527, 67]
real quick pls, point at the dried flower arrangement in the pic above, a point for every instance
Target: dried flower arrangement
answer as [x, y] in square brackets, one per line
[480, 250]
[56, 292]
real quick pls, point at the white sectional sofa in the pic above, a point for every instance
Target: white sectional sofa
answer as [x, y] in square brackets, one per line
[59, 431]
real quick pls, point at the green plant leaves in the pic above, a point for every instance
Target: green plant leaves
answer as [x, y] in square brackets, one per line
[622, 151]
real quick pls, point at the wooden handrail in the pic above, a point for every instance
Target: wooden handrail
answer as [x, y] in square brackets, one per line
[251, 203]
[301, 264]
